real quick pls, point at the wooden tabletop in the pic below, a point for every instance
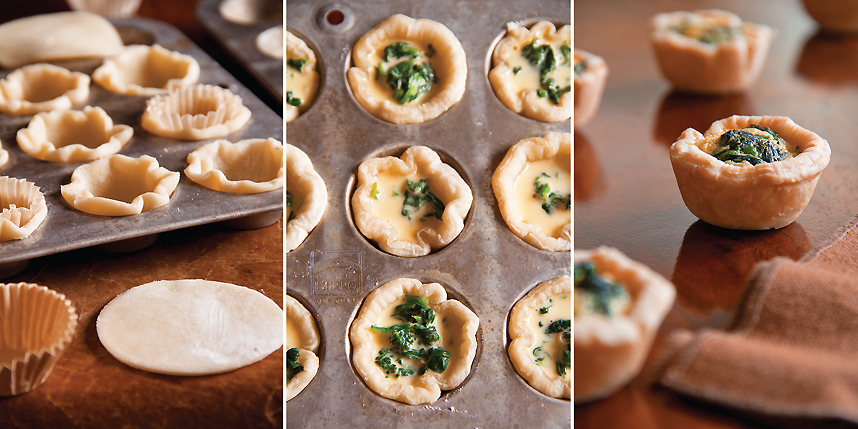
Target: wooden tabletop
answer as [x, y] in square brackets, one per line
[626, 194]
[88, 387]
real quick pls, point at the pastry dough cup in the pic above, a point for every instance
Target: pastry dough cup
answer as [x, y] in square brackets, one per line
[4, 156]
[297, 314]
[109, 8]
[504, 180]
[525, 101]
[42, 88]
[270, 42]
[303, 179]
[23, 208]
[691, 65]
[247, 167]
[610, 351]
[839, 16]
[426, 388]
[523, 339]
[73, 136]
[449, 63]
[197, 112]
[38, 324]
[589, 86]
[446, 184]
[120, 186]
[297, 48]
[763, 196]
[146, 70]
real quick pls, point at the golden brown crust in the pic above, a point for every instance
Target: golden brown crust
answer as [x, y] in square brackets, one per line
[589, 86]
[73, 136]
[691, 65]
[303, 179]
[449, 63]
[249, 166]
[504, 180]
[42, 88]
[525, 101]
[297, 314]
[426, 388]
[446, 184]
[147, 71]
[840, 16]
[610, 350]
[22, 208]
[297, 48]
[764, 196]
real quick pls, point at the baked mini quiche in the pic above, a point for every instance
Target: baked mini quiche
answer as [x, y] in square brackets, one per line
[302, 80]
[709, 51]
[532, 72]
[409, 341]
[590, 72]
[533, 186]
[749, 172]
[408, 71]
[540, 330]
[306, 197]
[619, 305]
[302, 344]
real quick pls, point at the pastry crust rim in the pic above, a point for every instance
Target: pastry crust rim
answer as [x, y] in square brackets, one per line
[300, 170]
[77, 93]
[106, 74]
[589, 87]
[214, 178]
[117, 135]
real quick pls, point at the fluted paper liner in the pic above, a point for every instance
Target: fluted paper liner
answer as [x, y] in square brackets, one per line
[36, 325]
[198, 112]
[146, 70]
[249, 166]
[23, 208]
[73, 135]
[42, 88]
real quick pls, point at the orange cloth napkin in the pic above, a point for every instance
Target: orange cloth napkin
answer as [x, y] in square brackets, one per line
[791, 352]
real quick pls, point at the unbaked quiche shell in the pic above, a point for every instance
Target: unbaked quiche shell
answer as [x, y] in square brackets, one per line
[523, 339]
[22, 208]
[270, 42]
[4, 155]
[147, 71]
[73, 135]
[297, 48]
[526, 102]
[449, 64]
[302, 179]
[86, 190]
[249, 166]
[763, 196]
[42, 88]
[196, 112]
[296, 313]
[588, 87]
[427, 387]
[446, 184]
[691, 65]
[610, 351]
[504, 180]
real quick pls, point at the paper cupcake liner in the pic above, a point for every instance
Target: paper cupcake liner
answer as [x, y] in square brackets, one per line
[22, 208]
[37, 325]
[195, 113]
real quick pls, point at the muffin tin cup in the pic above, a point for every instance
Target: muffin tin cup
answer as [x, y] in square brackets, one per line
[486, 266]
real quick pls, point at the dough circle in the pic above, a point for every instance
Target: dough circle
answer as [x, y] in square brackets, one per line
[190, 327]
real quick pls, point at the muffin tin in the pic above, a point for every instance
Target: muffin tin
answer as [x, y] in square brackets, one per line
[239, 37]
[487, 268]
[191, 204]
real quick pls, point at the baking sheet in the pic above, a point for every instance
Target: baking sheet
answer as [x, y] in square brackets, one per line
[240, 39]
[487, 267]
[191, 204]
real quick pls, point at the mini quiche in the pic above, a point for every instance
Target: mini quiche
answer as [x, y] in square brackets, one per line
[709, 51]
[839, 16]
[306, 197]
[532, 72]
[619, 305]
[302, 343]
[408, 71]
[540, 330]
[302, 80]
[410, 205]
[409, 341]
[590, 72]
[749, 172]
[533, 186]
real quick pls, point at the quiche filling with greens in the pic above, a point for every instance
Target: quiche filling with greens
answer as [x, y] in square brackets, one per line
[408, 205]
[752, 145]
[707, 32]
[546, 67]
[580, 65]
[297, 82]
[595, 294]
[544, 194]
[415, 344]
[406, 70]
[552, 350]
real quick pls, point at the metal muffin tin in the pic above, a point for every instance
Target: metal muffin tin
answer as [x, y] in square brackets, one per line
[240, 39]
[487, 267]
[66, 228]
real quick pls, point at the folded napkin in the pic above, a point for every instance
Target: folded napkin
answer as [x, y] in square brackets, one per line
[790, 355]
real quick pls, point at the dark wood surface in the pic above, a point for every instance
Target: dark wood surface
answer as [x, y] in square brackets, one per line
[88, 387]
[626, 194]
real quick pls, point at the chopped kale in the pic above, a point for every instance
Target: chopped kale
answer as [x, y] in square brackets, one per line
[288, 199]
[564, 363]
[744, 146]
[542, 57]
[408, 80]
[711, 34]
[292, 365]
[374, 192]
[579, 67]
[430, 51]
[402, 337]
[399, 50]
[385, 361]
[566, 51]
[558, 326]
[415, 310]
[544, 310]
[292, 101]
[602, 291]
[416, 195]
[551, 199]
[437, 359]
[516, 70]
[297, 64]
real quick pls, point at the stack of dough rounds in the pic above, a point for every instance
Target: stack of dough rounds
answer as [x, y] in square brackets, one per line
[309, 197]
[22, 208]
[301, 333]
[197, 112]
[73, 136]
[249, 166]
[42, 88]
[147, 71]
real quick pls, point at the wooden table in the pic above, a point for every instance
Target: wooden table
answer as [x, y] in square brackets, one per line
[88, 387]
[626, 194]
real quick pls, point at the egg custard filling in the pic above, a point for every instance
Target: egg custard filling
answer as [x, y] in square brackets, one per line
[545, 66]
[544, 194]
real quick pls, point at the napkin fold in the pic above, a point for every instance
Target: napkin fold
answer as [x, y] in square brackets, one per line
[791, 352]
